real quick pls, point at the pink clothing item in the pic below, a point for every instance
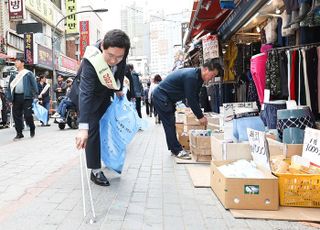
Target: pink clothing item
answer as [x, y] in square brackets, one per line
[265, 48]
[258, 71]
[318, 50]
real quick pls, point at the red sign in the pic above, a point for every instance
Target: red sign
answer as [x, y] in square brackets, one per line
[16, 10]
[84, 37]
[44, 56]
[68, 64]
[28, 48]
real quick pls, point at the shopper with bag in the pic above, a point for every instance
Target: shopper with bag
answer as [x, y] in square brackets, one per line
[102, 72]
[44, 97]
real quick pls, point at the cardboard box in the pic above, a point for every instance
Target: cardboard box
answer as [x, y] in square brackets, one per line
[213, 126]
[179, 117]
[179, 129]
[220, 150]
[184, 141]
[190, 119]
[200, 142]
[213, 119]
[286, 150]
[200, 152]
[234, 193]
[187, 128]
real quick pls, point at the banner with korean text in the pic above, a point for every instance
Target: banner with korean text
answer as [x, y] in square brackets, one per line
[84, 37]
[71, 20]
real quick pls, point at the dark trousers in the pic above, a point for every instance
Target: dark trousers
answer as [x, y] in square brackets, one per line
[165, 109]
[22, 108]
[147, 106]
[93, 154]
[138, 106]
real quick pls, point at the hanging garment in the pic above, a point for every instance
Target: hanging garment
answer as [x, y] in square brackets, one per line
[273, 75]
[252, 91]
[288, 53]
[293, 75]
[283, 64]
[318, 88]
[312, 72]
[258, 71]
[271, 30]
[229, 61]
[305, 80]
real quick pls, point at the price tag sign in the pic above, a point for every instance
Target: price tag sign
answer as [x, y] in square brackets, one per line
[259, 148]
[311, 145]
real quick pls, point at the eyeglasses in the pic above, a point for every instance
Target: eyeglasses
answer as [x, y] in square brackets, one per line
[114, 57]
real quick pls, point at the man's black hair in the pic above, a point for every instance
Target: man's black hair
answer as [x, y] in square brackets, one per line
[212, 64]
[116, 38]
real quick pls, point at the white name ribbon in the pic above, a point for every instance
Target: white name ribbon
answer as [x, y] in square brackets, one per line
[17, 79]
[95, 56]
[45, 89]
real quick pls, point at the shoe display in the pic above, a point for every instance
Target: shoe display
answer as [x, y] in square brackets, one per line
[183, 155]
[56, 115]
[99, 179]
[19, 136]
[32, 132]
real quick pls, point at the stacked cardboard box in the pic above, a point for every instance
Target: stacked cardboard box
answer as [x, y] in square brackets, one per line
[191, 123]
[200, 146]
[286, 150]
[222, 150]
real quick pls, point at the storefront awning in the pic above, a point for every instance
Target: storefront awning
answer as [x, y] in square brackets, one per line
[5, 56]
[206, 17]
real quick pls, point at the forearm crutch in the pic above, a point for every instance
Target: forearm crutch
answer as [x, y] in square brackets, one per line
[92, 220]
[11, 117]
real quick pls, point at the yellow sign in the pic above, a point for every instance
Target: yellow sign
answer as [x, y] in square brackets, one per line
[71, 21]
[45, 10]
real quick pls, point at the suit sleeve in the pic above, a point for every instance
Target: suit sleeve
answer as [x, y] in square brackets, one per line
[120, 73]
[192, 96]
[34, 86]
[86, 91]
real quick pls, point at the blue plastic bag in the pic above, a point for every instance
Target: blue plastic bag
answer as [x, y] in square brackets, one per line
[118, 126]
[40, 112]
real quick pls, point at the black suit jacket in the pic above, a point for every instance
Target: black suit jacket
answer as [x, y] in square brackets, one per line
[92, 94]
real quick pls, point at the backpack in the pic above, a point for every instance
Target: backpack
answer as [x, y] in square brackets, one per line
[75, 88]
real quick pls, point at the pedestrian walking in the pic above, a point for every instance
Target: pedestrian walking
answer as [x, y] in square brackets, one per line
[138, 88]
[177, 86]
[21, 92]
[147, 102]
[102, 67]
[156, 81]
[44, 97]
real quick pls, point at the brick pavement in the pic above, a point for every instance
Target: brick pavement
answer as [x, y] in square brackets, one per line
[40, 188]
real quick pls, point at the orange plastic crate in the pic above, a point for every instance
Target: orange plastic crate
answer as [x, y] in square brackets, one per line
[302, 190]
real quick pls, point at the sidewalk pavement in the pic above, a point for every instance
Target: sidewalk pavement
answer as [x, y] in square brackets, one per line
[40, 188]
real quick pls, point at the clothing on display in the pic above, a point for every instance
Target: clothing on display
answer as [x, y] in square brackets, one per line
[269, 114]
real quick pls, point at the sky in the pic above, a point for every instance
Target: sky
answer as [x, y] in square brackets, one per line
[112, 17]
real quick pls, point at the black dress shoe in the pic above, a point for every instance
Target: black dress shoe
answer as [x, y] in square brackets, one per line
[32, 132]
[99, 179]
[18, 137]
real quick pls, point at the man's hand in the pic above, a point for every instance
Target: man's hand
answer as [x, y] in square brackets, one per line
[203, 121]
[59, 89]
[40, 96]
[119, 93]
[81, 138]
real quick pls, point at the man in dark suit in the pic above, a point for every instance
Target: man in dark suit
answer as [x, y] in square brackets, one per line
[95, 97]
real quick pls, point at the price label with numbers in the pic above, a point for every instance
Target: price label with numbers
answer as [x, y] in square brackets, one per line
[259, 148]
[311, 145]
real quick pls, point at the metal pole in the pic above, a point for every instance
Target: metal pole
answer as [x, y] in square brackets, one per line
[53, 40]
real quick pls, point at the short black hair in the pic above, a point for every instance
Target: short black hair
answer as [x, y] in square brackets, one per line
[157, 78]
[21, 59]
[116, 38]
[42, 76]
[212, 64]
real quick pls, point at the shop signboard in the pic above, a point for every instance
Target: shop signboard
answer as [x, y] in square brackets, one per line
[210, 45]
[45, 10]
[67, 64]
[84, 36]
[16, 10]
[44, 56]
[71, 20]
[28, 48]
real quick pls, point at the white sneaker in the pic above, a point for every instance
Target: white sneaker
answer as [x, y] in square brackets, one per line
[183, 155]
[60, 120]
[56, 115]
